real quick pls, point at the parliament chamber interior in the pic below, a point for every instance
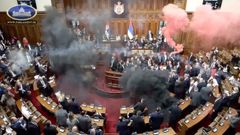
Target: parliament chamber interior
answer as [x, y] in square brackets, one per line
[119, 67]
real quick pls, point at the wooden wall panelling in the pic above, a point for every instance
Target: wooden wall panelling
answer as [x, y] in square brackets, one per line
[31, 31]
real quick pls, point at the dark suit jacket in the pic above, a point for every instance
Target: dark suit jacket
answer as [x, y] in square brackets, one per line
[156, 119]
[138, 124]
[186, 84]
[194, 72]
[179, 90]
[84, 124]
[175, 113]
[196, 99]
[123, 128]
[51, 130]
[33, 128]
[201, 84]
[75, 108]
[139, 107]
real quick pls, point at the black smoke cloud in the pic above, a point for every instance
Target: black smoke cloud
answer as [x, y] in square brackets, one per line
[150, 85]
[67, 56]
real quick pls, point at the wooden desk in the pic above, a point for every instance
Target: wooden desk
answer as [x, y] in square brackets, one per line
[185, 103]
[126, 110]
[91, 108]
[112, 79]
[222, 129]
[170, 132]
[98, 122]
[184, 126]
[193, 122]
[47, 105]
[26, 111]
[141, 51]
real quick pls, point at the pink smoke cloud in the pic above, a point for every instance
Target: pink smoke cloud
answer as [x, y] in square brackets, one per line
[177, 20]
[215, 27]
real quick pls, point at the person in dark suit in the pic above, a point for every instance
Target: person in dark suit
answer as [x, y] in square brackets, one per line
[179, 89]
[97, 115]
[50, 129]
[201, 83]
[219, 104]
[149, 36]
[122, 127]
[186, 82]
[137, 123]
[191, 58]
[84, 122]
[113, 63]
[19, 125]
[61, 116]
[65, 104]
[44, 86]
[156, 119]
[74, 107]
[206, 92]
[140, 106]
[194, 72]
[32, 127]
[196, 99]
[175, 114]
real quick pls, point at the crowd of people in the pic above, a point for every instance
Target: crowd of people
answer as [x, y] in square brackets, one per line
[194, 76]
[199, 76]
[154, 61]
[15, 85]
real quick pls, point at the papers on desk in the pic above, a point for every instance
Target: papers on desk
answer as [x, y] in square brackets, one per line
[25, 111]
[99, 107]
[84, 105]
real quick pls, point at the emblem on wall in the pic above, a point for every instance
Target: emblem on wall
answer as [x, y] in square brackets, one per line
[21, 12]
[119, 8]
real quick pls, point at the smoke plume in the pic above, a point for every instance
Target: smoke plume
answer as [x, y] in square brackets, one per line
[19, 60]
[215, 27]
[94, 21]
[67, 56]
[177, 20]
[150, 85]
